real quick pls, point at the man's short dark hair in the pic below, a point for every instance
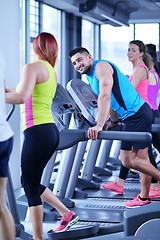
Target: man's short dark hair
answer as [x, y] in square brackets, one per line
[78, 50]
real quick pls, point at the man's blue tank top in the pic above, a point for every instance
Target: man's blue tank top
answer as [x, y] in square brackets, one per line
[124, 98]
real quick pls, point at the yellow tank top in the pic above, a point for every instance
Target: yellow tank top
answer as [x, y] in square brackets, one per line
[37, 109]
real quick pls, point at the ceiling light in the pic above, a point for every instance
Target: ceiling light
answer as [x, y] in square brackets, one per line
[114, 20]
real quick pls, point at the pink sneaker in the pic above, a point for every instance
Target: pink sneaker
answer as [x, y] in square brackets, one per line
[136, 202]
[153, 193]
[114, 187]
[67, 222]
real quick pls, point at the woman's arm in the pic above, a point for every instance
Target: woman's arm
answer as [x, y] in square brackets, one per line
[153, 78]
[139, 75]
[27, 84]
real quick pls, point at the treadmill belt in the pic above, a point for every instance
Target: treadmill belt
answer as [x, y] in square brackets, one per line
[100, 210]
[104, 228]
[100, 215]
[114, 177]
[131, 190]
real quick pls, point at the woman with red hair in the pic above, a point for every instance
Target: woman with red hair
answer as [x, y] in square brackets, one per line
[41, 137]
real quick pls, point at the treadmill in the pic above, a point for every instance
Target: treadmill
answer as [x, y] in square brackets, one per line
[86, 99]
[11, 200]
[49, 214]
[109, 220]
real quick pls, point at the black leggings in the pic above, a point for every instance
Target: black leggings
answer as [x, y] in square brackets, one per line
[39, 144]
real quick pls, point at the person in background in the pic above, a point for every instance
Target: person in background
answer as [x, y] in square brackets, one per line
[140, 79]
[7, 225]
[151, 49]
[153, 92]
[41, 136]
[154, 85]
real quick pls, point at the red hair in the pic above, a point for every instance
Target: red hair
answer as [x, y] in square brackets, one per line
[46, 47]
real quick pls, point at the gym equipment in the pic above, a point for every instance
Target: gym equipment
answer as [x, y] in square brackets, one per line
[146, 226]
[70, 136]
[98, 153]
[21, 234]
[140, 224]
[84, 96]
[59, 106]
[20, 230]
[86, 100]
[75, 232]
[116, 237]
[136, 221]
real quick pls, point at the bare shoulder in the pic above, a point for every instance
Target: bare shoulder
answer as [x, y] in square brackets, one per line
[34, 64]
[35, 67]
[29, 66]
[153, 78]
[104, 66]
[141, 68]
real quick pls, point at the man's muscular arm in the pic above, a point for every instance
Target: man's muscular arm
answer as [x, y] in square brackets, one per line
[104, 74]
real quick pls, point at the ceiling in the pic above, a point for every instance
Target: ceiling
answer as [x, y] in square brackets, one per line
[114, 12]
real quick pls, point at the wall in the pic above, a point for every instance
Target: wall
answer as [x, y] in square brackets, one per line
[10, 47]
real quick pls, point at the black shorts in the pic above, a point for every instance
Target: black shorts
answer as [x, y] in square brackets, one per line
[5, 151]
[141, 121]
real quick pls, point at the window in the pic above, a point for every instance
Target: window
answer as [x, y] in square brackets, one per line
[51, 21]
[52, 24]
[148, 33]
[34, 18]
[114, 46]
[115, 42]
[88, 35]
[33, 25]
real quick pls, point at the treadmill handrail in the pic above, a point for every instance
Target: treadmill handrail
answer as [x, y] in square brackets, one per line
[70, 137]
[9, 189]
[10, 112]
[120, 125]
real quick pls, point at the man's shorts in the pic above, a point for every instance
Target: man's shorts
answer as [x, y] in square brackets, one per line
[141, 121]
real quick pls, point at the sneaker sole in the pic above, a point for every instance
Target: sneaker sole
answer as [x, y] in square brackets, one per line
[137, 205]
[71, 223]
[132, 179]
[150, 196]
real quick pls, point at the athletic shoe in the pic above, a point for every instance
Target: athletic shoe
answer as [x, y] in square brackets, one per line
[67, 222]
[153, 193]
[136, 202]
[114, 187]
[132, 176]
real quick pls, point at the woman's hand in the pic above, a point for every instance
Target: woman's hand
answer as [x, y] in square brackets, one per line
[9, 90]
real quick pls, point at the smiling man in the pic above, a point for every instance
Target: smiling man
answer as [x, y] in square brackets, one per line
[115, 92]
